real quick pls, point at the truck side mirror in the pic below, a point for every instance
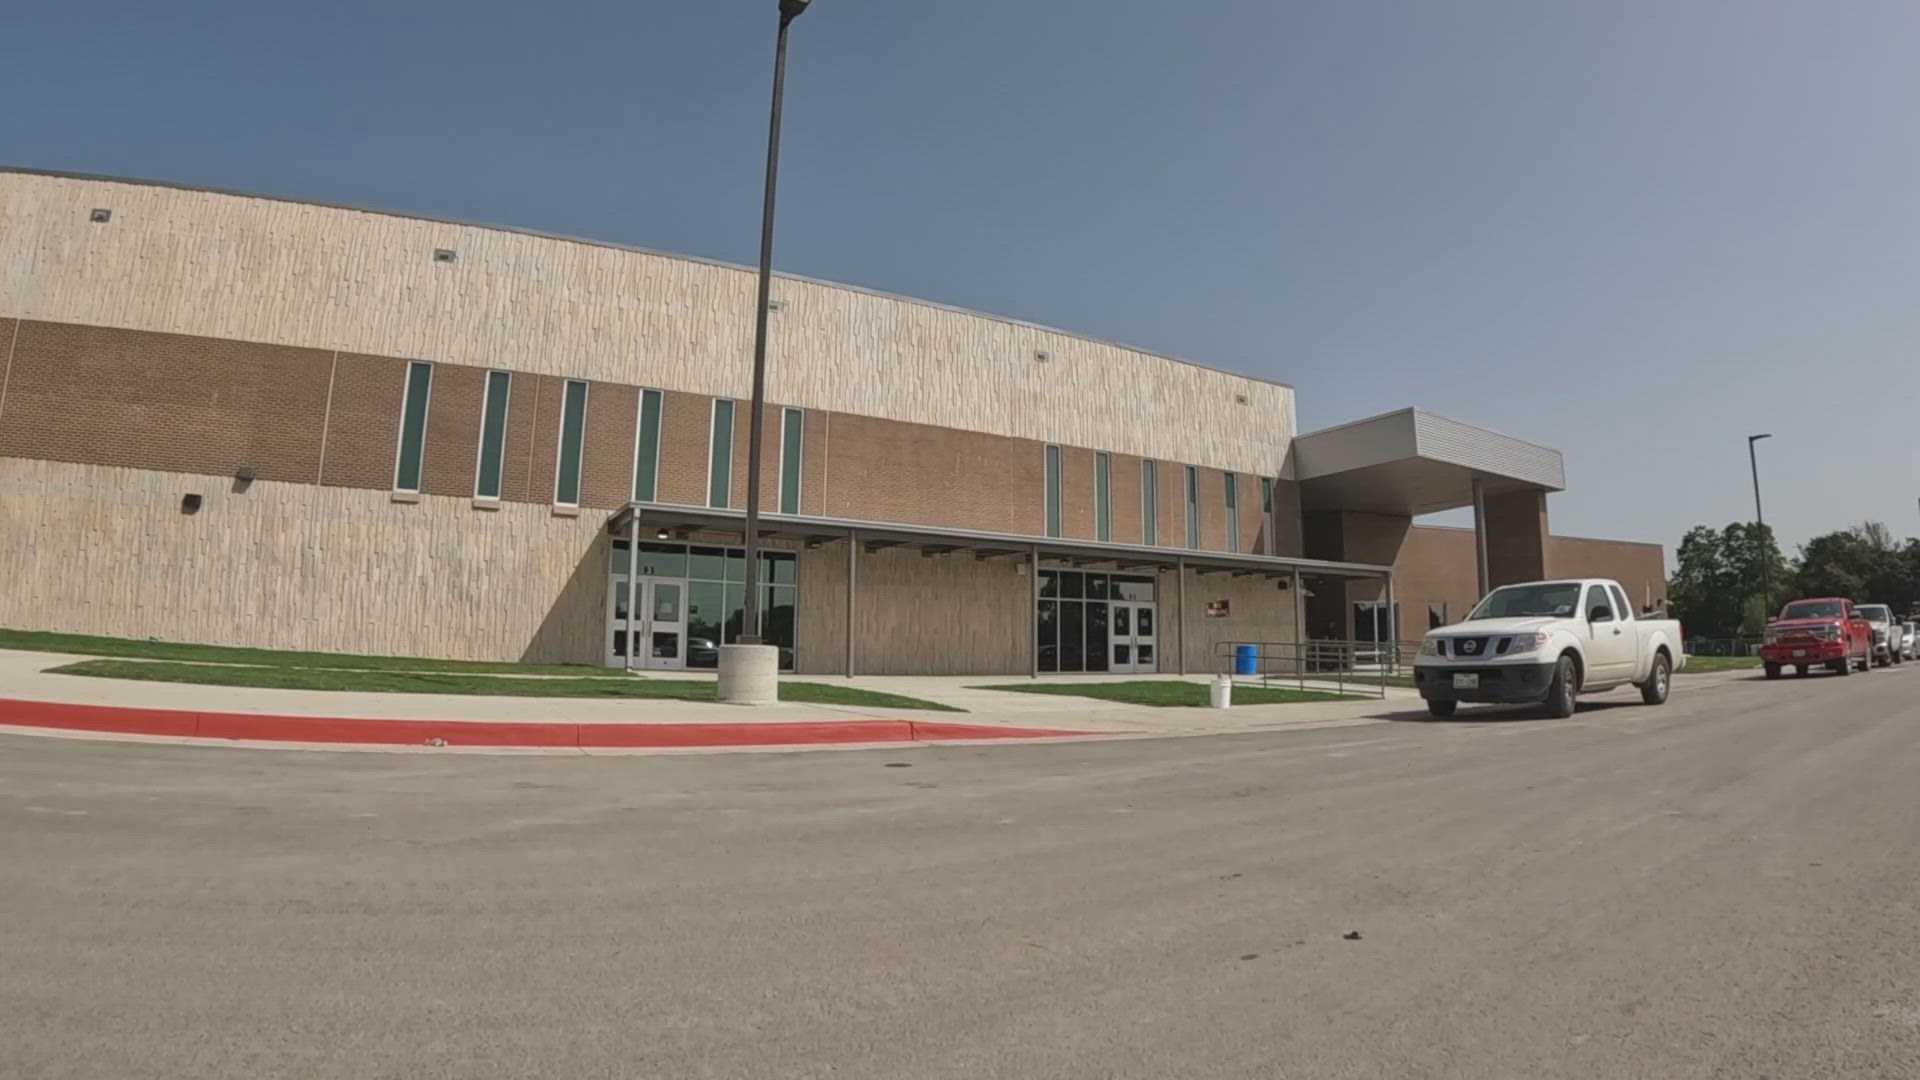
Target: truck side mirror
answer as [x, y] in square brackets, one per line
[1600, 614]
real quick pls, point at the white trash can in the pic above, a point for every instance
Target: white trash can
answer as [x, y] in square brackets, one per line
[1222, 692]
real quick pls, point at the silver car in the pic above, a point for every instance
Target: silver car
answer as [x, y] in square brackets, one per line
[1887, 645]
[1908, 630]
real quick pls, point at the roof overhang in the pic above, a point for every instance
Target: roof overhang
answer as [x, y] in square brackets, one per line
[1412, 462]
[685, 521]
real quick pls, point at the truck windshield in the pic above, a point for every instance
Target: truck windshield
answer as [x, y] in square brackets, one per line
[1874, 612]
[1813, 609]
[1558, 599]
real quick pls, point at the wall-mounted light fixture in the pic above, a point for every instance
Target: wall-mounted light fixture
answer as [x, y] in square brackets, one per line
[444, 255]
[100, 215]
[190, 503]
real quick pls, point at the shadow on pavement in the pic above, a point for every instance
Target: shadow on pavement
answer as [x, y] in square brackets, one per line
[1500, 714]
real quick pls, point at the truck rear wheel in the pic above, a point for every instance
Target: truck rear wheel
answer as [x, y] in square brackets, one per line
[1660, 681]
[1772, 670]
[1566, 683]
[1441, 709]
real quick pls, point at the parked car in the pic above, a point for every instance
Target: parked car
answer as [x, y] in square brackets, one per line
[1547, 641]
[1886, 633]
[1907, 631]
[1819, 631]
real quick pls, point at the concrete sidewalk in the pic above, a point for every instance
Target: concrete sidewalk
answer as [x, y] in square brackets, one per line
[23, 676]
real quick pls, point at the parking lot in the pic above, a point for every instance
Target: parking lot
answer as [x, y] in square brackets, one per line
[1724, 886]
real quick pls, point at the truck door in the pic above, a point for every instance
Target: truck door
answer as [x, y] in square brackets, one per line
[1611, 642]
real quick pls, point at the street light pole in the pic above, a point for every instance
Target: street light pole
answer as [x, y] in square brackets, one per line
[750, 629]
[1754, 461]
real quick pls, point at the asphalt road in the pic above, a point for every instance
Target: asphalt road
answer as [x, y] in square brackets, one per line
[1725, 887]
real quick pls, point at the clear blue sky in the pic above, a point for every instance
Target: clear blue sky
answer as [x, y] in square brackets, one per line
[1637, 230]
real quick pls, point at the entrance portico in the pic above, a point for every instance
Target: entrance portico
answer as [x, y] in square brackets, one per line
[861, 597]
[1363, 483]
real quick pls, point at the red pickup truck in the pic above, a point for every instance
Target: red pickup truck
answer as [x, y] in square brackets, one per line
[1821, 630]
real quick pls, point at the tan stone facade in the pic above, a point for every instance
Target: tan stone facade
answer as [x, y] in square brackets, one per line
[129, 382]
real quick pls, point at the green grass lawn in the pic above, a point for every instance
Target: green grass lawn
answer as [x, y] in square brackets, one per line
[1167, 692]
[412, 682]
[87, 645]
[1697, 665]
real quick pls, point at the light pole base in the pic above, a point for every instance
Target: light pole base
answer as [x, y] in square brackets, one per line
[749, 674]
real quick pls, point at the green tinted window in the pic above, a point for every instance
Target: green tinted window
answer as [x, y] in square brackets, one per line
[493, 435]
[720, 455]
[646, 456]
[1053, 491]
[573, 429]
[1193, 507]
[1102, 497]
[1150, 502]
[791, 422]
[413, 426]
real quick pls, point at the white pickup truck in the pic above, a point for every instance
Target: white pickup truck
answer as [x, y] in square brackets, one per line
[1547, 641]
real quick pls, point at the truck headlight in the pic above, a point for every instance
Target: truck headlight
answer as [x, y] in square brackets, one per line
[1527, 643]
[1430, 647]
[1770, 636]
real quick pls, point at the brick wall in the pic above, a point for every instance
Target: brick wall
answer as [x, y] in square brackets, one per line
[1173, 506]
[94, 395]
[887, 470]
[453, 430]
[177, 403]
[363, 426]
[1076, 493]
[1516, 526]
[606, 468]
[686, 425]
[1127, 522]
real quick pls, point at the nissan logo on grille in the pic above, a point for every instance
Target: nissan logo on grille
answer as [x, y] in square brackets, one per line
[1469, 646]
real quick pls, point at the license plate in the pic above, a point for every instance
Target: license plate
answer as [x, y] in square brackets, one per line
[1799, 652]
[1465, 681]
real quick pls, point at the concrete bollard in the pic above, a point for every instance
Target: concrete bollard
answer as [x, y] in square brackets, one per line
[749, 674]
[1222, 692]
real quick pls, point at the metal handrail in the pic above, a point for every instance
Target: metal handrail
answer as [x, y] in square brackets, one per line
[1364, 664]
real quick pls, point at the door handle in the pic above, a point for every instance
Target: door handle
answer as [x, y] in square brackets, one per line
[1616, 632]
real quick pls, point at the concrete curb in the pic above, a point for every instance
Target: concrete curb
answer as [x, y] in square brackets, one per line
[168, 723]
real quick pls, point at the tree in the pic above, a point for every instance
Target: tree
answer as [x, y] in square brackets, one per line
[1728, 580]
[1863, 564]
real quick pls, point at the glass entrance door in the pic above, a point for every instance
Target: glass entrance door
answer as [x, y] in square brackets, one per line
[659, 622]
[1135, 645]
[664, 638]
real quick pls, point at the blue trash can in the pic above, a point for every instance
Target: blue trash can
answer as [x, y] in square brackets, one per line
[1246, 659]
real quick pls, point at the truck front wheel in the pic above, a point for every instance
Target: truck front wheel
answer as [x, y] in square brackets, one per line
[1566, 683]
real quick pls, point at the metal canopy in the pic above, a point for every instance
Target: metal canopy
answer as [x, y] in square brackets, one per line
[681, 521]
[1412, 462]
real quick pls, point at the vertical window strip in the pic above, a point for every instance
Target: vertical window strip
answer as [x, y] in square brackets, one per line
[792, 431]
[493, 435]
[646, 451]
[1233, 511]
[573, 431]
[1102, 497]
[1268, 524]
[413, 427]
[1053, 491]
[720, 455]
[1193, 507]
[1150, 502]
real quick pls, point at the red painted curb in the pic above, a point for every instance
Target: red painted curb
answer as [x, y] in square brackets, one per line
[321, 729]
